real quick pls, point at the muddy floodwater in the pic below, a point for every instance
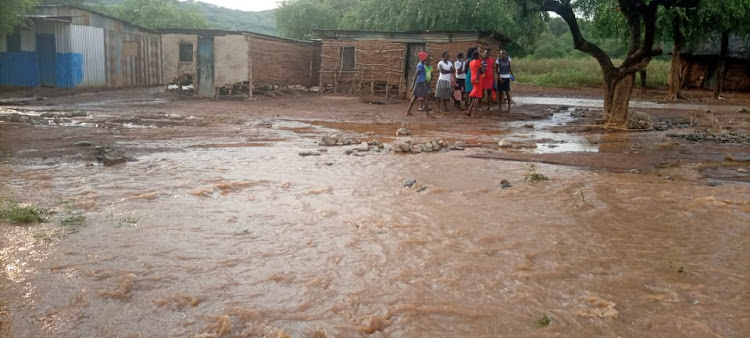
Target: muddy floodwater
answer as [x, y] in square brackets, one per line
[217, 226]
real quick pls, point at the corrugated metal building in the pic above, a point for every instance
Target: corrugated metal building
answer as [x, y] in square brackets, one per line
[68, 46]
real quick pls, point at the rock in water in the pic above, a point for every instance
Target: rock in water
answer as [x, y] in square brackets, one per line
[403, 132]
[409, 183]
[638, 120]
[505, 184]
[330, 140]
[113, 157]
[83, 144]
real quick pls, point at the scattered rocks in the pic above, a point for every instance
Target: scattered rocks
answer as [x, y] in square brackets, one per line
[666, 125]
[308, 153]
[409, 183]
[558, 108]
[113, 157]
[505, 184]
[109, 156]
[403, 131]
[709, 136]
[516, 144]
[638, 120]
[458, 145]
[336, 140]
[409, 147]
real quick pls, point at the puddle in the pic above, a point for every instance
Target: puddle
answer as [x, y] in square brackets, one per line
[549, 142]
[594, 103]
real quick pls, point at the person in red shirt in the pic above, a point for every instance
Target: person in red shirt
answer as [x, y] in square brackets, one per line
[488, 82]
[477, 76]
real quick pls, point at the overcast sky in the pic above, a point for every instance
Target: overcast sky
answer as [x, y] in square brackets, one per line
[245, 5]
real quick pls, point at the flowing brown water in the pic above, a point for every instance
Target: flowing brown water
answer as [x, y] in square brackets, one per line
[238, 238]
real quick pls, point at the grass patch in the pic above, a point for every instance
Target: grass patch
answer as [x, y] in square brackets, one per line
[542, 321]
[73, 222]
[583, 72]
[534, 176]
[22, 214]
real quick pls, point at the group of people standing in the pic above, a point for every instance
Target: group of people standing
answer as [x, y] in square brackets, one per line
[466, 82]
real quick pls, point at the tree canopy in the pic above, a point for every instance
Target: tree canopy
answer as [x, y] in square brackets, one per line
[10, 11]
[160, 14]
[296, 18]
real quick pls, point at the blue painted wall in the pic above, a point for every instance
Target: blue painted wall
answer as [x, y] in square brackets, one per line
[68, 70]
[19, 69]
[46, 49]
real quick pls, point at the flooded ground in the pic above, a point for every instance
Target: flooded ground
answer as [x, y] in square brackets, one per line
[217, 226]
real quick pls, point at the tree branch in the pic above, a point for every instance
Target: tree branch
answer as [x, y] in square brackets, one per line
[564, 10]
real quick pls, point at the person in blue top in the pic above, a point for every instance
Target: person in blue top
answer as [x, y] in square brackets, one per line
[420, 90]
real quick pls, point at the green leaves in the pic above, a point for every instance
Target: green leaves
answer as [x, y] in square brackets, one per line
[161, 14]
[10, 11]
[296, 18]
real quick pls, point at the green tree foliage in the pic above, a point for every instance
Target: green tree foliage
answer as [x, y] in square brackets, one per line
[161, 14]
[445, 15]
[297, 18]
[10, 11]
[557, 41]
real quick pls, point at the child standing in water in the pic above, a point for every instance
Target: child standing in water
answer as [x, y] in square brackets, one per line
[420, 89]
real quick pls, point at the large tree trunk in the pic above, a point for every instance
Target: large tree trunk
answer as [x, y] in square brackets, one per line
[643, 81]
[675, 70]
[617, 92]
[720, 70]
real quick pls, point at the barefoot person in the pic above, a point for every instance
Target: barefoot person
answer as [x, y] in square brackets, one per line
[444, 89]
[505, 75]
[420, 90]
[476, 82]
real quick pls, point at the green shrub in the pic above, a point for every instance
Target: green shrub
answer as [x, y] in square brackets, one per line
[22, 214]
[577, 72]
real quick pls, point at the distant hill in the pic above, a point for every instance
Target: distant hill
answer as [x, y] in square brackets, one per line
[236, 20]
[221, 17]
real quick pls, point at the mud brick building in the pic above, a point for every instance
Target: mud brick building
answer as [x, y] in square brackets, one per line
[383, 63]
[700, 64]
[68, 47]
[216, 58]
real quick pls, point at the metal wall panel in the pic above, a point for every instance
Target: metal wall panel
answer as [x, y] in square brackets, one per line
[89, 41]
[61, 30]
[3, 43]
[132, 59]
[28, 40]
